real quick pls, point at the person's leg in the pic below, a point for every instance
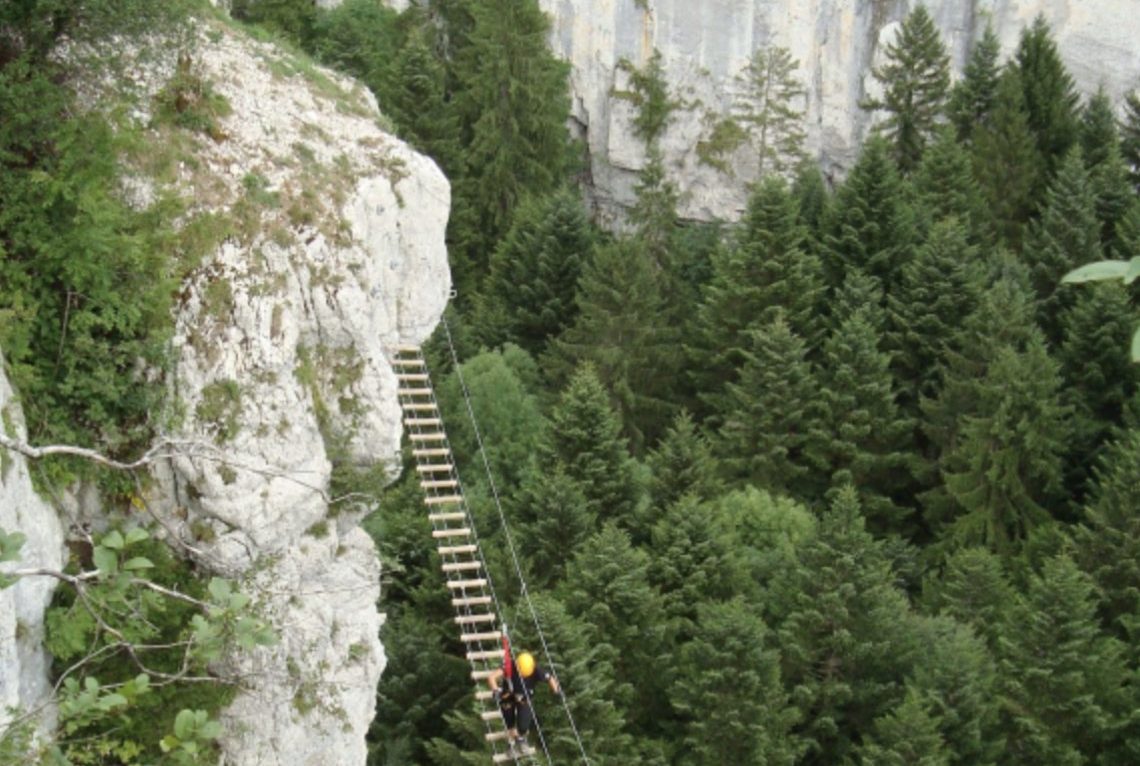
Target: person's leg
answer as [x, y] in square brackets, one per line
[525, 719]
[509, 718]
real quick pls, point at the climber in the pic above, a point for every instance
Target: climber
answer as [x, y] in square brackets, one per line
[513, 686]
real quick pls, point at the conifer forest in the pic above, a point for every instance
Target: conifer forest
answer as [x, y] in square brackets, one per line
[854, 479]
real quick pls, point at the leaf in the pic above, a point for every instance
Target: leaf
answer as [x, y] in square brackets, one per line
[1136, 345]
[168, 743]
[1133, 270]
[138, 562]
[112, 701]
[210, 730]
[137, 535]
[112, 540]
[219, 589]
[1098, 270]
[107, 561]
[10, 543]
[184, 724]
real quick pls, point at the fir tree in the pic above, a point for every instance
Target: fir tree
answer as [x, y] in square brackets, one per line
[770, 414]
[555, 517]
[1066, 236]
[974, 96]
[1097, 132]
[811, 196]
[767, 272]
[975, 591]
[513, 104]
[863, 434]
[907, 736]
[946, 188]
[529, 293]
[1130, 137]
[682, 465]
[1006, 162]
[728, 668]
[1059, 674]
[619, 332]
[916, 82]
[859, 293]
[771, 104]
[654, 214]
[1005, 471]
[768, 528]
[1051, 98]
[870, 226]
[586, 436]
[1113, 194]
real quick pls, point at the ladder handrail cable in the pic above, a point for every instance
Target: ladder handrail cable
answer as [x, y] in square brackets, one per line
[511, 547]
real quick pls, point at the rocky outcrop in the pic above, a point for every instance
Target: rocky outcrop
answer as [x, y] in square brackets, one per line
[332, 252]
[704, 45]
[24, 683]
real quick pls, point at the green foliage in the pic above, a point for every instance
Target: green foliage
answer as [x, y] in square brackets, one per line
[974, 96]
[292, 18]
[649, 94]
[1130, 137]
[1050, 94]
[219, 409]
[725, 137]
[771, 105]
[189, 102]
[682, 465]
[916, 82]
[907, 736]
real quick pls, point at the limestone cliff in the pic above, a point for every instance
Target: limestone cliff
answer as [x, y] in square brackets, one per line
[329, 250]
[704, 45]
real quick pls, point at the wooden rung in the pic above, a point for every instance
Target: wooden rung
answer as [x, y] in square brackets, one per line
[493, 635]
[468, 619]
[470, 601]
[434, 436]
[459, 532]
[462, 566]
[416, 377]
[439, 483]
[434, 467]
[449, 516]
[448, 550]
[481, 675]
[485, 655]
[483, 695]
[413, 391]
[418, 406]
[414, 422]
[490, 715]
[502, 757]
[463, 584]
[431, 452]
[494, 736]
[443, 499]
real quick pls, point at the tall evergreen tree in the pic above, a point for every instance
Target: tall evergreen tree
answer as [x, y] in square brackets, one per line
[1096, 131]
[870, 226]
[771, 104]
[907, 736]
[555, 518]
[682, 464]
[1130, 137]
[619, 331]
[974, 96]
[859, 293]
[976, 592]
[727, 690]
[1007, 162]
[864, 437]
[513, 104]
[1059, 674]
[528, 297]
[1066, 236]
[1005, 472]
[1113, 195]
[946, 188]
[770, 414]
[1051, 100]
[916, 83]
[812, 197]
[586, 436]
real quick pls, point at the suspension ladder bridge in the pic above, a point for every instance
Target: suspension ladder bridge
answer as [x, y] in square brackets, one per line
[453, 532]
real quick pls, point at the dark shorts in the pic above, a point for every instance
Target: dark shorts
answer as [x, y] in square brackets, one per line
[517, 716]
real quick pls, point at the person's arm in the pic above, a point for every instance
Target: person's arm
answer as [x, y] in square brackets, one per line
[494, 679]
[554, 687]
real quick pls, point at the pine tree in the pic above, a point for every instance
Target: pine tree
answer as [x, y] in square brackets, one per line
[842, 633]
[587, 439]
[682, 465]
[811, 195]
[768, 529]
[1100, 380]
[1130, 137]
[976, 592]
[1096, 131]
[973, 97]
[946, 188]
[1059, 674]
[513, 103]
[937, 291]
[1007, 162]
[916, 82]
[619, 333]
[859, 293]
[769, 415]
[555, 518]
[766, 272]
[1113, 194]
[863, 436]
[654, 214]
[870, 226]
[1005, 472]
[1051, 99]
[727, 668]
[1066, 236]
[907, 736]
[528, 297]
[771, 104]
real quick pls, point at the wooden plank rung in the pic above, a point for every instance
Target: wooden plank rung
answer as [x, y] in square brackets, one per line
[418, 406]
[434, 467]
[493, 635]
[463, 584]
[443, 499]
[462, 566]
[450, 550]
[439, 483]
[435, 436]
[469, 619]
[471, 601]
[483, 695]
[449, 516]
[458, 532]
[413, 391]
[419, 422]
[490, 715]
[481, 675]
[484, 655]
[430, 452]
[413, 377]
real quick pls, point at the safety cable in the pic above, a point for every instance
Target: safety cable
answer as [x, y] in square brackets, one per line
[514, 556]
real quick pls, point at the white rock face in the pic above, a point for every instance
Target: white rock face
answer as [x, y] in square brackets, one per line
[335, 253]
[705, 44]
[23, 661]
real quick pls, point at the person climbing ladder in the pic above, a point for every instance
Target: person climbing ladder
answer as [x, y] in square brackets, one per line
[513, 686]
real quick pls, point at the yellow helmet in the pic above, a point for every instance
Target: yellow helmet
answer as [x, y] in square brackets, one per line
[525, 663]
